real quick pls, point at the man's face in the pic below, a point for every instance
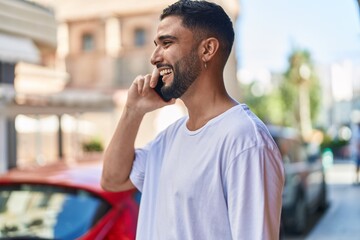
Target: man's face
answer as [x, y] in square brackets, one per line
[176, 57]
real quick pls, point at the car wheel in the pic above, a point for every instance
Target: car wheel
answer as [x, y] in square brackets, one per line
[301, 216]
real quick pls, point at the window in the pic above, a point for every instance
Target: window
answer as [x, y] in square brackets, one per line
[7, 72]
[140, 37]
[88, 43]
[44, 211]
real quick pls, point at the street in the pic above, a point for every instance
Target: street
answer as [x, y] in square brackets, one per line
[342, 218]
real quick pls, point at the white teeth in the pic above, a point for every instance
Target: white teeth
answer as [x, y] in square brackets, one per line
[165, 71]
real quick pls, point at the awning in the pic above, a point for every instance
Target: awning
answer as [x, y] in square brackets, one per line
[68, 101]
[15, 49]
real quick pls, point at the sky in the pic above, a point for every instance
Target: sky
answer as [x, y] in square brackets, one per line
[267, 31]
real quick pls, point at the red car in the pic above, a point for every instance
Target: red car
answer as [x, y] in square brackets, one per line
[64, 201]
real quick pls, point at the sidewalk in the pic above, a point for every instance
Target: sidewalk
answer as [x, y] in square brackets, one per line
[341, 172]
[341, 220]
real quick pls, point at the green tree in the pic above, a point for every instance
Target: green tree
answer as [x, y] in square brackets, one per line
[283, 105]
[300, 92]
[266, 106]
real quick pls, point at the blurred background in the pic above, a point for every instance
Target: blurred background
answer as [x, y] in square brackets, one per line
[65, 66]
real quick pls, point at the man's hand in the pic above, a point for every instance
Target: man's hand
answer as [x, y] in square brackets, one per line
[142, 97]
[119, 155]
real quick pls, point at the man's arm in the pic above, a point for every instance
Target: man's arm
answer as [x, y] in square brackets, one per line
[120, 153]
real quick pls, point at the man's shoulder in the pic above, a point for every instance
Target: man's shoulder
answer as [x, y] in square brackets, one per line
[239, 119]
[243, 125]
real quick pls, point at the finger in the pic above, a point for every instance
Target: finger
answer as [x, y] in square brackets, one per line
[154, 78]
[146, 86]
[140, 84]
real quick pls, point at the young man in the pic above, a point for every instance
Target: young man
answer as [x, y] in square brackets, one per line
[215, 174]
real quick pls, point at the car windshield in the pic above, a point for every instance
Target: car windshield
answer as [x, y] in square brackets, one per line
[49, 212]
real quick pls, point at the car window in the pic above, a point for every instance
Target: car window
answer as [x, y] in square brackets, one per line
[50, 212]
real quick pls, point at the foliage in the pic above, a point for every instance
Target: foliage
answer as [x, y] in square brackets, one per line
[281, 104]
[289, 88]
[333, 143]
[94, 145]
[267, 107]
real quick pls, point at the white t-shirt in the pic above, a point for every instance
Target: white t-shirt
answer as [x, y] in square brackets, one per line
[222, 181]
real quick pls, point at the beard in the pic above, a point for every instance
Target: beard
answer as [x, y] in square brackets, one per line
[185, 72]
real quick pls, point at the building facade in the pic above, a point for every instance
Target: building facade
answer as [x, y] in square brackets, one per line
[27, 34]
[33, 93]
[106, 44]
[69, 85]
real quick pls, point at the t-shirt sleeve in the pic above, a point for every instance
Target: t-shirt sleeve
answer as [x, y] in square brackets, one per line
[137, 174]
[142, 159]
[254, 184]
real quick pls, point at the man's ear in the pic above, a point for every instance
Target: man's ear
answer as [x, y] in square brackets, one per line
[209, 48]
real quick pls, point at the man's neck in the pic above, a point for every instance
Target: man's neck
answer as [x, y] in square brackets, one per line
[205, 101]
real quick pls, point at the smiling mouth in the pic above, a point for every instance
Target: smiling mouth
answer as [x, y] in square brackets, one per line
[165, 72]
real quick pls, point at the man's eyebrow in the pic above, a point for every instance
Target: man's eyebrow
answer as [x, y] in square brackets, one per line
[163, 37]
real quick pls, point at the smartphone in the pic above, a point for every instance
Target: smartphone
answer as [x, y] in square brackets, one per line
[158, 89]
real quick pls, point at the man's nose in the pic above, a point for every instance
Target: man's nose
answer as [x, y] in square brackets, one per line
[156, 56]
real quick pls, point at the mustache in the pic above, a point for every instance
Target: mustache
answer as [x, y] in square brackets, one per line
[160, 65]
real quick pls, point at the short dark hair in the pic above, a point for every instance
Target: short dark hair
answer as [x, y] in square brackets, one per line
[206, 19]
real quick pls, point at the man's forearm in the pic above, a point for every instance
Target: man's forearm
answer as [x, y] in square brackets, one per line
[119, 155]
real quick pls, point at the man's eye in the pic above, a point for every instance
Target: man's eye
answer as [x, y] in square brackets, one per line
[166, 43]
